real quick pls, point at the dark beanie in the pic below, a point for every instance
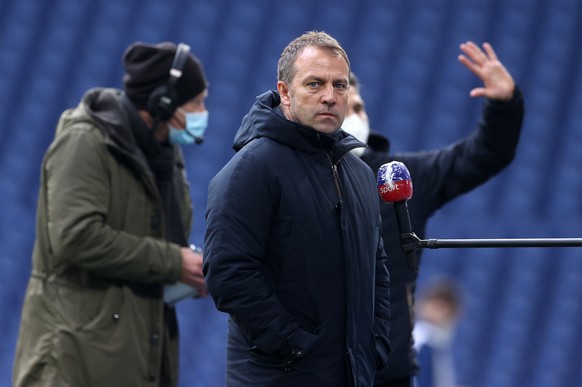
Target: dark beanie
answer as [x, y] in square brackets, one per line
[147, 66]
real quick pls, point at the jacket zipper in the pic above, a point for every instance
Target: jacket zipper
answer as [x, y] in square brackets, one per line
[334, 173]
[338, 208]
[336, 179]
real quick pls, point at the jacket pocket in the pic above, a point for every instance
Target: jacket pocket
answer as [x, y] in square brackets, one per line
[89, 308]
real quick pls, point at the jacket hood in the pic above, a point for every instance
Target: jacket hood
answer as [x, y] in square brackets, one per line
[111, 107]
[106, 108]
[265, 119]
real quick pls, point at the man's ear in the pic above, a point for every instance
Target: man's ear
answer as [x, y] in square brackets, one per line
[283, 90]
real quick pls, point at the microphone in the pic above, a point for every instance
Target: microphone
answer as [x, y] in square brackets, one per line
[395, 186]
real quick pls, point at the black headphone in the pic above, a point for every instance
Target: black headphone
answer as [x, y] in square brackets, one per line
[162, 103]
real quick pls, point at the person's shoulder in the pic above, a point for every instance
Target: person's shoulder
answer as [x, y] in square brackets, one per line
[261, 147]
[378, 143]
[76, 122]
[357, 162]
[257, 154]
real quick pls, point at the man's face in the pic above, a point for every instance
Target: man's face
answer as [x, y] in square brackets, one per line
[318, 94]
[356, 104]
[356, 121]
[194, 105]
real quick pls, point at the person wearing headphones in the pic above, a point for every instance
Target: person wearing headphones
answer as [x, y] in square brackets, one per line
[113, 220]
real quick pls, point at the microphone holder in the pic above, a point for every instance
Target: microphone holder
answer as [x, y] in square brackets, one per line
[410, 241]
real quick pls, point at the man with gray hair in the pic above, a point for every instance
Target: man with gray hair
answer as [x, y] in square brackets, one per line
[293, 247]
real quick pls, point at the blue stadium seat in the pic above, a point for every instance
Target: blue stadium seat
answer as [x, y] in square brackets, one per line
[522, 313]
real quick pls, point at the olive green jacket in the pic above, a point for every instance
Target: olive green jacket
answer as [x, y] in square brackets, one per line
[93, 313]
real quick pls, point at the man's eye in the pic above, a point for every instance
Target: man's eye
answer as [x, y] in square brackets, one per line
[313, 84]
[341, 86]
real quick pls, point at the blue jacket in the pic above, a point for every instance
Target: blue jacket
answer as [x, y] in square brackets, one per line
[293, 252]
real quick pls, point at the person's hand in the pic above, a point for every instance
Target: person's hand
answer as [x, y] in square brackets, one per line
[192, 271]
[497, 81]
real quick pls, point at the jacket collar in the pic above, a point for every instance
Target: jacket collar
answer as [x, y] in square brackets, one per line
[265, 119]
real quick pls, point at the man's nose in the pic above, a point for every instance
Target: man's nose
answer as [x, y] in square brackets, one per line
[329, 97]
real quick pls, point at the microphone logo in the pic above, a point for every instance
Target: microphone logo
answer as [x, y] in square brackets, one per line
[394, 182]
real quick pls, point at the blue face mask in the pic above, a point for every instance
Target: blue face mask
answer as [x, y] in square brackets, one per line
[196, 124]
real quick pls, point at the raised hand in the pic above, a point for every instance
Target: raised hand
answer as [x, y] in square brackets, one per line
[497, 81]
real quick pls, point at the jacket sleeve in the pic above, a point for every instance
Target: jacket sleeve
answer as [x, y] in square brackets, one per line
[239, 214]
[77, 195]
[449, 172]
[382, 304]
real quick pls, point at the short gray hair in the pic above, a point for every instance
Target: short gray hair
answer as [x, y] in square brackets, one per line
[286, 64]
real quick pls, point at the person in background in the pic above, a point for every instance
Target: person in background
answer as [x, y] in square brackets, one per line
[438, 176]
[438, 308]
[293, 247]
[113, 220]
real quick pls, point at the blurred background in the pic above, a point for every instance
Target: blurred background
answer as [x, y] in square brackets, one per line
[522, 314]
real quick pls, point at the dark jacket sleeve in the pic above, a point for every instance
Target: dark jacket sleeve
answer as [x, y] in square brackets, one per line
[239, 214]
[441, 175]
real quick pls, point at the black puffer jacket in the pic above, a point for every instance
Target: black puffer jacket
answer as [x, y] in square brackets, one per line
[438, 176]
[293, 253]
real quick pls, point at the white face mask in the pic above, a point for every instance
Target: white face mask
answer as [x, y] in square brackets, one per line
[359, 128]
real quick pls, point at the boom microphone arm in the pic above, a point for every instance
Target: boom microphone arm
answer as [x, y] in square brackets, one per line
[395, 186]
[412, 242]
